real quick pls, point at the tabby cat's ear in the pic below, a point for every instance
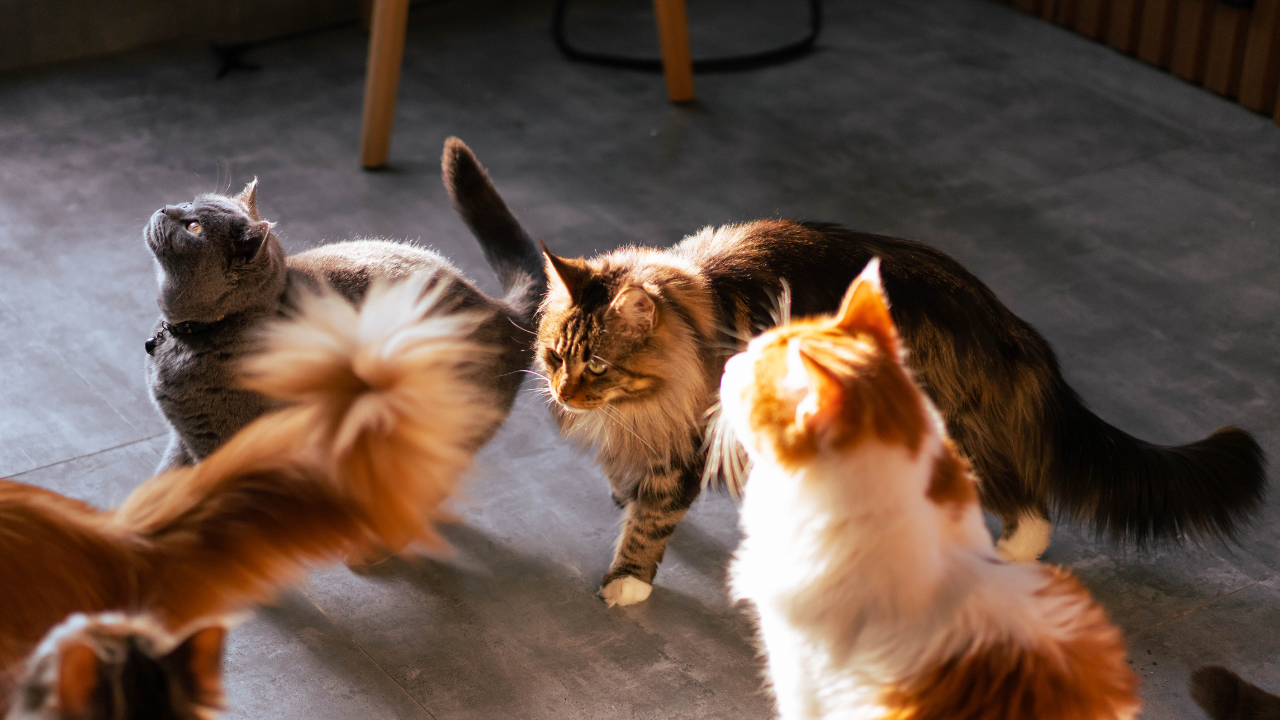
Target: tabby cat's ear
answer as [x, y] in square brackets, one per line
[822, 405]
[569, 274]
[251, 246]
[866, 309]
[199, 659]
[248, 197]
[635, 307]
[77, 679]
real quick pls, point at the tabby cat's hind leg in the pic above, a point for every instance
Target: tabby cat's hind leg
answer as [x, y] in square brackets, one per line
[659, 504]
[1025, 536]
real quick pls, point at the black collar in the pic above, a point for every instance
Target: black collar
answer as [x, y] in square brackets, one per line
[190, 327]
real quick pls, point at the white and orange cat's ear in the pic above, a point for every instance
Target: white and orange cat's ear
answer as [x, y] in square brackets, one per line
[865, 307]
[824, 398]
[248, 197]
[200, 658]
[77, 679]
[569, 275]
[635, 307]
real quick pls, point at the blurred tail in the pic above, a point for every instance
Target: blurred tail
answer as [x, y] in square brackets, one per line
[1224, 695]
[1131, 489]
[507, 247]
[377, 433]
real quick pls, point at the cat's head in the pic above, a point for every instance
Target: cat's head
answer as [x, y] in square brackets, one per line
[604, 333]
[214, 257]
[825, 383]
[120, 667]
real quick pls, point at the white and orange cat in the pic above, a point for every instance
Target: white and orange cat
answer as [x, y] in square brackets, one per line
[878, 589]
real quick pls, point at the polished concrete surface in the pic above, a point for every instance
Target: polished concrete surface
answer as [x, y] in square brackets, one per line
[1132, 218]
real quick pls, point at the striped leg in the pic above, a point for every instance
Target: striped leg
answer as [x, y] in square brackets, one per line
[658, 504]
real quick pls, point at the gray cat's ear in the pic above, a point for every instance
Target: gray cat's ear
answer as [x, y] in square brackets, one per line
[635, 307]
[248, 197]
[77, 679]
[199, 660]
[252, 246]
[568, 274]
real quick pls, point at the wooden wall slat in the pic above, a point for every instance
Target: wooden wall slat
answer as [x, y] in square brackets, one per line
[1225, 55]
[1191, 39]
[1031, 7]
[1260, 74]
[1122, 29]
[1091, 18]
[1064, 12]
[1155, 42]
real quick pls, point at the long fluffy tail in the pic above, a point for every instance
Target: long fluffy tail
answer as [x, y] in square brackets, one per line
[507, 247]
[1132, 489]
[1224, 695]
[377, 433]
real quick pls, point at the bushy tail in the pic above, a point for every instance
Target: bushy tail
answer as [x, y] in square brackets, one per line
[507, 247]
[1224, 695]
[380, 425]
[1135, 490]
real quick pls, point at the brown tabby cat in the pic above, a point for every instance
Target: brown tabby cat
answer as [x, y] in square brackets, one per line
[633, 342]
[121, 667]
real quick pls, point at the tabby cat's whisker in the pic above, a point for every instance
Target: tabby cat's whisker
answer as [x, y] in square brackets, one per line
[617, 417]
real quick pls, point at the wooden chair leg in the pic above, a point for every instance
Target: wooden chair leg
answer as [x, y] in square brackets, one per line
[386, 50]
[677, 62]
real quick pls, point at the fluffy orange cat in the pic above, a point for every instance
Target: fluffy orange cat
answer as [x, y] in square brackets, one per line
[383, 420]
[877, 585]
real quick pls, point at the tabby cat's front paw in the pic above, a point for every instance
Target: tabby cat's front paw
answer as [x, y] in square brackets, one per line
[626, 590]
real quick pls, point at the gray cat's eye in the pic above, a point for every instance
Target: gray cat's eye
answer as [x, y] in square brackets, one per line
[596, 367]
[194, 228]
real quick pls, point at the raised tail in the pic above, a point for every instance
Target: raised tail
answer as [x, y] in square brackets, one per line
[380, 426]
[1130, 489]
[507, 247]
[1224, 695]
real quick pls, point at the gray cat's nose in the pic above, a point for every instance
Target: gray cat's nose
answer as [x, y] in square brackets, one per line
[173, 211]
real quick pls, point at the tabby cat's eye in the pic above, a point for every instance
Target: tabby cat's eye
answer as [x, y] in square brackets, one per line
[193, 227]
[553, 359]
[596, 367]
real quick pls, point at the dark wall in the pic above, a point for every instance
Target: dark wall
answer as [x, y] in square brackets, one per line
[35, 32]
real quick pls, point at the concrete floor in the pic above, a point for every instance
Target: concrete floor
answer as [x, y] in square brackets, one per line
[1134, 219]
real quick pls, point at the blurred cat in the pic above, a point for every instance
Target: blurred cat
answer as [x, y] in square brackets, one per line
[222, 274]
[878, 589]
[1224, 695]
[632, 344]
[119, 667]
[379, 423]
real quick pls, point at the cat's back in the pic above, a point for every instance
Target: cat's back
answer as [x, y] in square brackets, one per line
[349, 267]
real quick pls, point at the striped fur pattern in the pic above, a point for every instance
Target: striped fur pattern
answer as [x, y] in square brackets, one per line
[632, 343]
[113, 666]
[380, 422]
[878, 591]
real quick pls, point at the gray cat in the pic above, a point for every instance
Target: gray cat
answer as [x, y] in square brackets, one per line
[222, 273]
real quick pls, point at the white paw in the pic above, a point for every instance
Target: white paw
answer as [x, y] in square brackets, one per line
[1028, 542]
[626, 591]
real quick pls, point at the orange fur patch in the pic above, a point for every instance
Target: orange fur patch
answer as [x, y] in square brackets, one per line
[952, 480]
[876, 397]
[1082, 678]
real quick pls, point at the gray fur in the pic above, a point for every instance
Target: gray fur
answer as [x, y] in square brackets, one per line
[235, 276]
